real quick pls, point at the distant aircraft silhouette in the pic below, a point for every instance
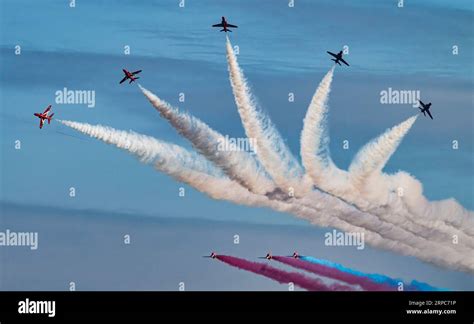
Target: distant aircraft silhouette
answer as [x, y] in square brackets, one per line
[338, 58]
[225, 26]
[425, 108]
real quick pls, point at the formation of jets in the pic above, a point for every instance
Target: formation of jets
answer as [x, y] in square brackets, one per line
[269, 256]
[225, 27]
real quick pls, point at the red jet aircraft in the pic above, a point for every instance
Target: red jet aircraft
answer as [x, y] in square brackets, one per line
[130, 75]
[295, 255]
[225, 26]
[269, 256]
[212, 256]
[44, 116]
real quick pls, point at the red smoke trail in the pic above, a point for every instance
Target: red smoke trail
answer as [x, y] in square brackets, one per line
[281, 276]
[326, 271]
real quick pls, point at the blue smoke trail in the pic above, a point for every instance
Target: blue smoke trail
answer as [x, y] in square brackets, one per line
[379, 278]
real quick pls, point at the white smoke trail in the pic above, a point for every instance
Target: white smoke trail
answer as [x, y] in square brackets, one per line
[387, 236]
[206, 139]
[365, 167]
[272, 151]
[238, 165]
[320, 167]
[270, 157]
[270, 143]
[194, 170]
[447, 211]
[146, 148]
[374, 155]
[174, 160]
[364, 184]
[366, 175]
[200, 135]
[315, 140]
[456, 254]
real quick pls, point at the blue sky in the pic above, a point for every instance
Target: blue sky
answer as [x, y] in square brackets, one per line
[281, 50]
